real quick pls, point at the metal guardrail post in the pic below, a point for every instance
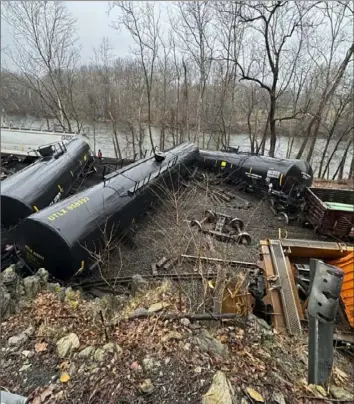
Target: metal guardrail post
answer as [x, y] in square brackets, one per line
[325, 288]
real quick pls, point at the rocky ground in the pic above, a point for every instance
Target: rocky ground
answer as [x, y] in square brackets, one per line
[57, 347]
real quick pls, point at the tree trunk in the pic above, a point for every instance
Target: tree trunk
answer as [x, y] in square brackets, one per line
[332, 154]
[351, 173]
[250, 131]
[273, 136]
[341, 165]
[149, 118]
[186, 109]
[327, 94]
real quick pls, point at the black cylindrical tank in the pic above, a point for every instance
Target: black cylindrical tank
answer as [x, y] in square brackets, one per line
[44, 181]
[259, 171]
[59, 237]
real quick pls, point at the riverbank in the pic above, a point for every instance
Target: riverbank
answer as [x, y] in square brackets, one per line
[337, 184]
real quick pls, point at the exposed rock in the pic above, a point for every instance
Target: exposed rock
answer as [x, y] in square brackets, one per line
[99, 355]
[43, 276]
[198, 369]
[32, 286]
[151, 365]
[9, 275]
[27, 354]
[6, 303]
[157, 307]
[67, 344]
[140, 311]
[185, 322]
[172, 335]
[21, 338]
[138, 284]
[53, 287]
[263, 324]
[86, 352]
[25, 367]
[112, 347]
[111, 304]
[147, 387]
[278, 397]
[220, 391]
[341, 394]
[208, 344]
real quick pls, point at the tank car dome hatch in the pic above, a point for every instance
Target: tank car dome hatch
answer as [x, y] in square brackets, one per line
[160, 157]
[61, 236]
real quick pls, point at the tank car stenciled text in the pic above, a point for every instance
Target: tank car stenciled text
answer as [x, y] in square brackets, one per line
[72, 206]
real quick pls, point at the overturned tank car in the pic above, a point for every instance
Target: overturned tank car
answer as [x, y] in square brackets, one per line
[47, 180]
[62, 237]
[284, 180]
[258, 171]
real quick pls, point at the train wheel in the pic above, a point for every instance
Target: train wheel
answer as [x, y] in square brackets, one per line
[284, 217]
[196, 223]
[211, 217]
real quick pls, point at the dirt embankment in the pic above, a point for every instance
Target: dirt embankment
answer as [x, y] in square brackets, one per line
[63, 349]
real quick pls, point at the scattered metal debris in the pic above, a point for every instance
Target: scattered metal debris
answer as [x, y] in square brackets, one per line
[326, 283]
[226, 227]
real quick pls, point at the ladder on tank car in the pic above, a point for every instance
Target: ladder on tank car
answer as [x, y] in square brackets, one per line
[86, 170]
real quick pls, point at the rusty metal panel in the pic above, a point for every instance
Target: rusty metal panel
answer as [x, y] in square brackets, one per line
[347, 294]
[273, 295]
[286, 291]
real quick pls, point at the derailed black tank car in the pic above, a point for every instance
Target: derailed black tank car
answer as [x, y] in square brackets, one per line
[260, 172]
[49, 178]
[58, 238]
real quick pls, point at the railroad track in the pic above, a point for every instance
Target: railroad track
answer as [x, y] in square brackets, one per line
[123, 281]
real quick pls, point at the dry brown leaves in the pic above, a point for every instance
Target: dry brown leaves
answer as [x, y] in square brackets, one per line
[40, 347]
[41, 395]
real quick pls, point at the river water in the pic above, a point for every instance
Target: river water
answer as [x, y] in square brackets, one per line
[100, 137]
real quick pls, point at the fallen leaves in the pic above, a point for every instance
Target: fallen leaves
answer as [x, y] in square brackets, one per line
[40, 396]
[316, 390]
[65, 377]
[64, 366]
[255, 395]
[40, 347]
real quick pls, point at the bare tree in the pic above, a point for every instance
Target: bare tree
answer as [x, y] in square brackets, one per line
[142, 23]
[229, 41]
[339, 124]
[274, 29]
[325, 56]
[45, 54]
[193, 27]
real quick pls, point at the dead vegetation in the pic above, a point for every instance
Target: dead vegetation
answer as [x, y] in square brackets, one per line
[170, 355]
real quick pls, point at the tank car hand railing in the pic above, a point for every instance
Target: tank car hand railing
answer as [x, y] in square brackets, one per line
[140, 184]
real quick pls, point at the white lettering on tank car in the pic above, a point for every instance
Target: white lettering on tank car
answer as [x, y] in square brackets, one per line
[273, 174]
[251, 175]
